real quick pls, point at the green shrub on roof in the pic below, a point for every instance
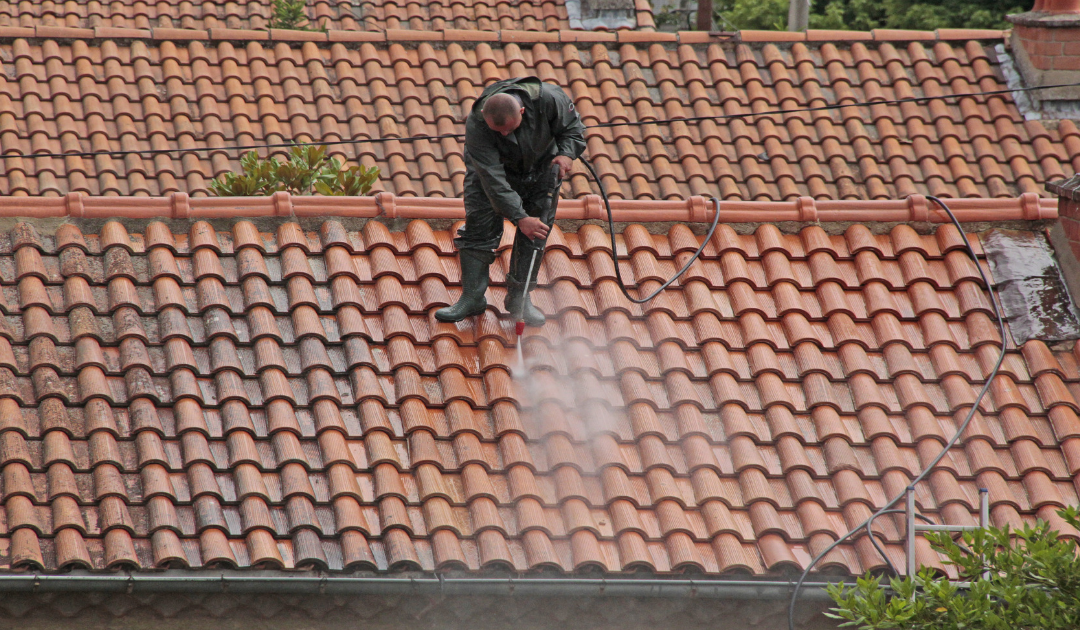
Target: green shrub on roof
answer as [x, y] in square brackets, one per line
[291, 15]
[307, 171]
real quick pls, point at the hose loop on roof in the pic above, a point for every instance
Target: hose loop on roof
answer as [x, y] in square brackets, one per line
[615, 253]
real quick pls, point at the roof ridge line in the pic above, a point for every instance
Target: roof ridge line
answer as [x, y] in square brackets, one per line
[562, 36]
[877, 35]
[695, 209]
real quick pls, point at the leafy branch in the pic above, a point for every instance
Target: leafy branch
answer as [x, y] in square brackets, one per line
[1018, 579]
[307, 171]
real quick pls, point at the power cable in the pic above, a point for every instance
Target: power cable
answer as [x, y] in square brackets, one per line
[944, 451]
[622, 123]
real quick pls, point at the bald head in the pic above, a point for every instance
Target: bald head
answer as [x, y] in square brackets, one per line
[502, 113]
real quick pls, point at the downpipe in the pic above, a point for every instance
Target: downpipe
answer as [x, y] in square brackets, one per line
[252, 582]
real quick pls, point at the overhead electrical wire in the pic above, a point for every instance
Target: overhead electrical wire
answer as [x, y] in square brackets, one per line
[887, 508]
[625, 123]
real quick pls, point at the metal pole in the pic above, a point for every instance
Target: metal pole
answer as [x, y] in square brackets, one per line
[798, 15]
[520, 328]
[984, 516]
[946, 528]
[910, 515]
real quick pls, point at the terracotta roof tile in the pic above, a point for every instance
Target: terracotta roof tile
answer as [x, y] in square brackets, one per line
[242, 87]
[123, 18]
[236, 398]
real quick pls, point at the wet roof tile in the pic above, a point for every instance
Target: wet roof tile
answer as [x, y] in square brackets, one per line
[225, 397]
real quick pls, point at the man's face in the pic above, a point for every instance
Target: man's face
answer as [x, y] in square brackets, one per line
[510, 125]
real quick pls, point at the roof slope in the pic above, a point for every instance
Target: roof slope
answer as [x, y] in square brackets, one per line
[90, 92]
[237, 398]
[374, 15]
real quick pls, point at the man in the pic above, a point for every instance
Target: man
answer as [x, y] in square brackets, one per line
[517, 129]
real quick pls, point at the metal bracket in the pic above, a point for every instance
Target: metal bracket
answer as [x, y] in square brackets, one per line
[913, 528]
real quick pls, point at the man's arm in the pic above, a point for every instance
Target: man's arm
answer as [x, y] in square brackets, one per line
[489, 169]
[566, 125]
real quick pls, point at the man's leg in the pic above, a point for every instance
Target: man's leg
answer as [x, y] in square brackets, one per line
[535, 199]
[476, 243]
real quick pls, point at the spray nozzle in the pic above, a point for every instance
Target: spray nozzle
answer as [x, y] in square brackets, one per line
[519, 328]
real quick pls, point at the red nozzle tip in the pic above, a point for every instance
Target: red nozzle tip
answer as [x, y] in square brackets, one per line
[519, 328]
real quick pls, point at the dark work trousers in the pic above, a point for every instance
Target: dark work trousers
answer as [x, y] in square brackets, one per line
[483, 228]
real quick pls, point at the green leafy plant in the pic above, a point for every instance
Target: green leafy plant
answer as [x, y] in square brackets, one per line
[865, 15]
[759, 15]
[858, 15]
[307, 171]
[292, 15]
[353, 181]
[1027, 579]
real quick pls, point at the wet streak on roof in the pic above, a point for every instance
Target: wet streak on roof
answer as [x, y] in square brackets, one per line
[1034, 297]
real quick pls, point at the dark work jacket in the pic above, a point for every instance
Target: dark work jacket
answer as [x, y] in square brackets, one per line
[549, 127]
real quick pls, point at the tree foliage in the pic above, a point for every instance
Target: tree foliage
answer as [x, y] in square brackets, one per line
[865, 15]
[1025, 579]
[307, 171]
[859, 15]
[760, 15]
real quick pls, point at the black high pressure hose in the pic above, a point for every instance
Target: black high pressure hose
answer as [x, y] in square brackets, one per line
[615, 254]
[887, 508]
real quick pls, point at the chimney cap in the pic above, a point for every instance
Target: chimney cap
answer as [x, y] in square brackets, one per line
[1066, 188]
[1057, 6]
[1045, 20]
[1049, 14]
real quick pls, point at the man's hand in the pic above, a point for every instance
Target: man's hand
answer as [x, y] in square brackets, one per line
[564, 165]
[533, 228]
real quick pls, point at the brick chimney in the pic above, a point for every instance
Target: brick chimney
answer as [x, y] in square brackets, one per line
[1068, 192]
[1064, 234]
[1046, 46]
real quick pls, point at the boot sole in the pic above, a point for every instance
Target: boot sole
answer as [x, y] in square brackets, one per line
[473, 313]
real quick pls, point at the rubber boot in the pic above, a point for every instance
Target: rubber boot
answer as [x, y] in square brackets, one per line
[474, 282]
[515, 282]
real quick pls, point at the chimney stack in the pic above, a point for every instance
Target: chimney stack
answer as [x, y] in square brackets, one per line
[1064, 234]
[1046, 46]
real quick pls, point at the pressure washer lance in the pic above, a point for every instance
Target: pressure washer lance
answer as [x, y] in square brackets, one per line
[548, 217]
